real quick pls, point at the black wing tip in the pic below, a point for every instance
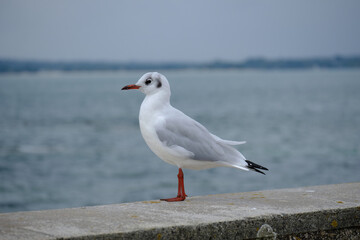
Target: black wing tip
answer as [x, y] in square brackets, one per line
[256, 167]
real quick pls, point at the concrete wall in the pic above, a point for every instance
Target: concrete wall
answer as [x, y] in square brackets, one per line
[327, 212]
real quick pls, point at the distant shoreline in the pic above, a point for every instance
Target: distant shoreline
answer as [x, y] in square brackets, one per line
[13, 66]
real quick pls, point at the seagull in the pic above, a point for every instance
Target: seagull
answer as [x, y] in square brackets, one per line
[180, 140]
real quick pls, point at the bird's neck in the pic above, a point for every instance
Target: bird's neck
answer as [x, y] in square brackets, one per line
[155, 102]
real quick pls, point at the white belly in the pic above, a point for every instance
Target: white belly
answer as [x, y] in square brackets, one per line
[154, 143]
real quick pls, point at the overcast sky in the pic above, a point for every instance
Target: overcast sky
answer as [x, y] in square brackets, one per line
[169, 30]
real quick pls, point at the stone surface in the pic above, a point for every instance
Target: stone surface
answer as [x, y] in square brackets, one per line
[315, 211]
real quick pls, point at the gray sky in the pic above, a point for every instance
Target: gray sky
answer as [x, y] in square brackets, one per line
[197, 30]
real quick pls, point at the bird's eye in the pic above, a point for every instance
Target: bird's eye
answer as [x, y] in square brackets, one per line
[148, 81]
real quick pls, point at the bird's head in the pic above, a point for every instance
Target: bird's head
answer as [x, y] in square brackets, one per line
[151, 83]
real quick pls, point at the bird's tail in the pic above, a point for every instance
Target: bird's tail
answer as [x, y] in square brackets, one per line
[255, 167]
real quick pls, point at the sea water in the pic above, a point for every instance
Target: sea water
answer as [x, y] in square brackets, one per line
[71, 139]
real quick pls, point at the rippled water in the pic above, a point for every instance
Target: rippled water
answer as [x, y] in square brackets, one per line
[72, 139]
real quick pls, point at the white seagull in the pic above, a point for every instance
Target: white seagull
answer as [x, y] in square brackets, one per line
[180, 140]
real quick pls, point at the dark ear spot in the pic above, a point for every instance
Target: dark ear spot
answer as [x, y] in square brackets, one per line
[159, 84]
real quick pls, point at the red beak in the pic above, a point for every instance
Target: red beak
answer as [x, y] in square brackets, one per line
[131, 86]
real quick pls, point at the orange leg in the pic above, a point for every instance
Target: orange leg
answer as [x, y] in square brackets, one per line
[181, 189]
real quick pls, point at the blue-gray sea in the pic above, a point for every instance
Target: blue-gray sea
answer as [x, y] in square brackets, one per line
[71, 139]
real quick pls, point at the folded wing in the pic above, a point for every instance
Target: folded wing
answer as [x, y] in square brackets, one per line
[192, 140]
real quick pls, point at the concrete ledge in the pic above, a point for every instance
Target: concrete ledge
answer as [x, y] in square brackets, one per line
[327, 212]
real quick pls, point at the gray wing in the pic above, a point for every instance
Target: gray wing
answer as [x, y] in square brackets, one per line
[192, 136]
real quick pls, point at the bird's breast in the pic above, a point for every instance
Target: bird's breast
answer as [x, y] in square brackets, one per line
[148, 131]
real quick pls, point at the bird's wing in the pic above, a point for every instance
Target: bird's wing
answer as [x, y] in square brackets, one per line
[228, 142]
[188, 137]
